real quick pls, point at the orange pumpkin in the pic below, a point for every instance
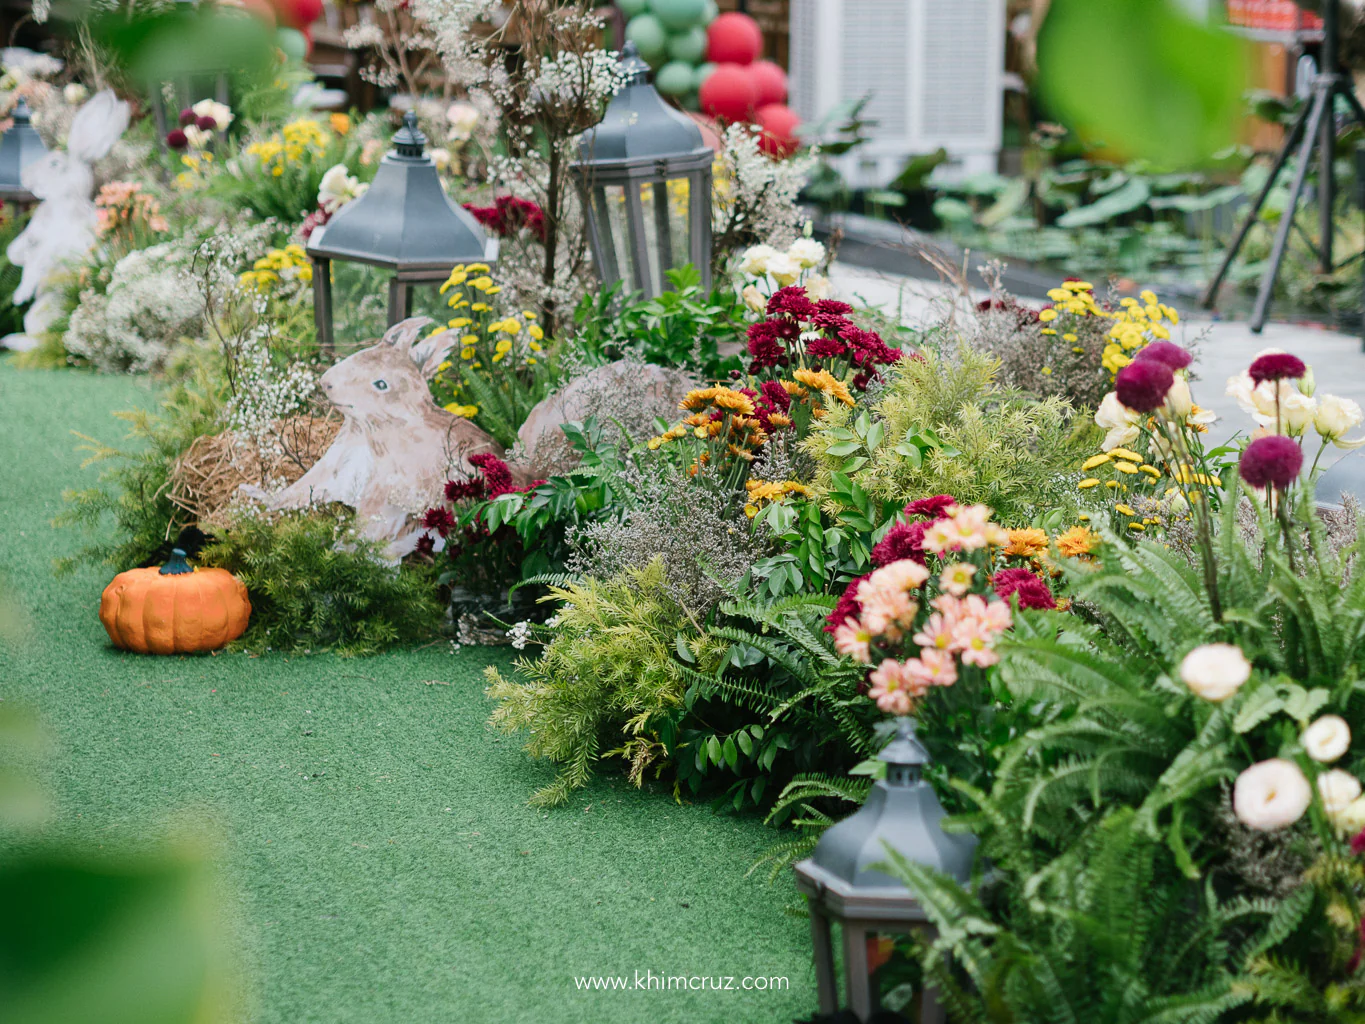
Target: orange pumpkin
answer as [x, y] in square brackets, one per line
[175, 609]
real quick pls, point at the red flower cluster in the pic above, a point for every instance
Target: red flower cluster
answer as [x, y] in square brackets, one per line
[1027, 586]
[494, 479]
[790, 311]
[509, 215]
[771, 405]
[1024, 316]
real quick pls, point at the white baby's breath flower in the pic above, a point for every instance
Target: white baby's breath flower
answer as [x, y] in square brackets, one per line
[1327, 738]
[75, 93]
[520, 634]
[1338, 790]
[1215, 671]
[1271, 795]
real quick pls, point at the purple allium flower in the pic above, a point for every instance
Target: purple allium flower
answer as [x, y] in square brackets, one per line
[1277, 366]
[1166, 352]
[1272, 461]
[1142, 385]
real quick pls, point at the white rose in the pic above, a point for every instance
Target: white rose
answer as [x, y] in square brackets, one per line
[754, 262]
[1215, 671]
[1352, 818]
[1119, 420]
[818, 287]
[1335, 418]
[440, 157]
[1271, 795]
[807, 252]
[753, 298]
[75, 93]
[1179, 401]
[462, 118]
[783, 269]
[197, 137]
[220, 112]
[1327, 738]
[337, 188]
[1338, 790]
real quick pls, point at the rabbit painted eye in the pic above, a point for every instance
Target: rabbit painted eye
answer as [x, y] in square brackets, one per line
[381, 385]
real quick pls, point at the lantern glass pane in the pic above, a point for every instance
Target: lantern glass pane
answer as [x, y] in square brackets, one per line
[360, 304]
[664, 205]
[616, 232]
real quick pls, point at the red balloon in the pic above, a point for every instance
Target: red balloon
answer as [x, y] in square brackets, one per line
[728, 93]
[733, 38]
[299, 13]
[779, 124]
[770, 81]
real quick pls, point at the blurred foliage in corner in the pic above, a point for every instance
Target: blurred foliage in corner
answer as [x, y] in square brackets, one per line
[92, 937]
[1143, 78]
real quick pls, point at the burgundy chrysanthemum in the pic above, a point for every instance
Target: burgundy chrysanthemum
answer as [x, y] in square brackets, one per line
[1027, 586]
[904, 540]
[1142, 385]
[1277, 366]
[830, 323]
[497, 478]
[763, 346]
[776, 395]
[849, 607]
[1166, 352]
[206, 123]
[464, 490]
[1273, 461]
[176, 139]
[932, 508]
[1358, 843]
[791, 301]
[825, 348]
[510, 214]
[439, 519]
[426, 544]
[833, 306]
[187, 117]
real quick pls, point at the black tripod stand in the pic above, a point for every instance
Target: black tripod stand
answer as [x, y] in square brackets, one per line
[1315, 128]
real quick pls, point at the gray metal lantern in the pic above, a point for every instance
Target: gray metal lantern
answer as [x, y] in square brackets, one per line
[405, 224]
[645, 177]
[839, 883]
[169, 98]
[19, 147]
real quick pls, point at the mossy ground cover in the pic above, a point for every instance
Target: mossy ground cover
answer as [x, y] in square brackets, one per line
[378, 862]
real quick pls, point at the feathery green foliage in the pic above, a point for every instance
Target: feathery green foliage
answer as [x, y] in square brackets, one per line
[986, 443]
[315, 586]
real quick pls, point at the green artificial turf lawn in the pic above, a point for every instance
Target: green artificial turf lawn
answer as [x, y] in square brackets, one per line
[375, 847]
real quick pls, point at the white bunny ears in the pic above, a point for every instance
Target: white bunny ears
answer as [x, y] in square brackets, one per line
[429, 353]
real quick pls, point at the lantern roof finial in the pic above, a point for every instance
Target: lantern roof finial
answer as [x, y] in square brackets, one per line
[632, 66]
[409, 141]
[639, 125]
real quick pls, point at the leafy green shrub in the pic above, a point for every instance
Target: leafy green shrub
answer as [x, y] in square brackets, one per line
[943, 425]
[607, 675]
[315, 586]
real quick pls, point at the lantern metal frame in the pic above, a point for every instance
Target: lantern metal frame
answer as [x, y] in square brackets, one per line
[643, 140]
[840, 883]
[20, 146]
[404, 223]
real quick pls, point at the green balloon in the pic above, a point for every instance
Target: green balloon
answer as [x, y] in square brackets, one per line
[648, 35]
[674, 78]
[689, 46]
[710, 12]
[292, 42]
[691, 101]
[678, 14]
[702, 73]
[630, 8]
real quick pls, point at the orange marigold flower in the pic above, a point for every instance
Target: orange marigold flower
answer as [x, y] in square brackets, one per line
[1079, 540]
[1026, 543]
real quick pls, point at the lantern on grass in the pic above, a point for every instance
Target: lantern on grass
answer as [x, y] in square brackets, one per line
[645, 177]
[839, 884]
[404, 224]
[19, 147]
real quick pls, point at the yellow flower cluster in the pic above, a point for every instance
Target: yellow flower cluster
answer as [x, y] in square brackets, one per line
[1131, 468]
[290, 145]
[761, 492]
[198, 166]
[1136, 325]
[822, 381]
[288, 264]
[720, 414]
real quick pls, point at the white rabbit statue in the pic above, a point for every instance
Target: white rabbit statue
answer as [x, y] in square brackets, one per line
[397, 447]
[64, 223]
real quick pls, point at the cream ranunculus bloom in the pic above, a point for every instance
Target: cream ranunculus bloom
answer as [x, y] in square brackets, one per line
[753, 298]
[1179, 401]
[1215, 671]
[1338, 790]
[1120, 422]
[818, 287]
[462, 117]
[783, 269]
[754, 262]
[1352, 819]
[1297, 412]
[220, 112]
[1335, 418]
[807, 252]
[1327, 738]
[337, 188]
[1271, 795]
